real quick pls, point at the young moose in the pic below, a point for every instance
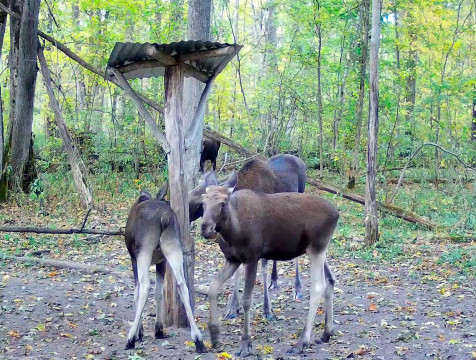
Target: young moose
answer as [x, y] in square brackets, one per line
[270, 226]
[152, 237]
[281, 173]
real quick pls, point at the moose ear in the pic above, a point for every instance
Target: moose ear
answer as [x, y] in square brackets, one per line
[163, 191]
[231, 182]
[144, 195]
[210, 178]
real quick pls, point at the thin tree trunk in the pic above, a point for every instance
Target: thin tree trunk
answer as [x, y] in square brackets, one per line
[73, 157]
[364, 40]
[25, 93]
[319, 93]
[473, 124]
[3, 24]
[371, 216]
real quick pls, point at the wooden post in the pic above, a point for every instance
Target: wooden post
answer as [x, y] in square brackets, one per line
[174, 310]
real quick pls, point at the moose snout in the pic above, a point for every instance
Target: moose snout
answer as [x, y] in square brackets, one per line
[208, 229]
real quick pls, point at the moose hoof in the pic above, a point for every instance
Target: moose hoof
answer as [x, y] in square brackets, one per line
[298, 348]
[131, 344]
[297, 296]
[200, 347]
[159, 334]
[232, 314]
[245, 348]
[269, 317]
[273, 285]
[214, 335]
[325, 337]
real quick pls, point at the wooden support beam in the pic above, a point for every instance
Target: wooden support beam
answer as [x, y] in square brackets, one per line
[192, 130]
[143, 111]
[162, 57]
[229, 50]
[178, 193]
[190, 71]
[146, 64]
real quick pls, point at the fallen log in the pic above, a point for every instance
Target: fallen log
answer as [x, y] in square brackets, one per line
[61, 264]
[59, 231]
[386, 208]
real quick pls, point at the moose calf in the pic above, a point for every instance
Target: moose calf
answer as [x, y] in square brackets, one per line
[209, 152]
[281, 173]
[152, 236]
[270, 226]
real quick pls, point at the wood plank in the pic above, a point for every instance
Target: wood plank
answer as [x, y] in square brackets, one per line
[205, 54]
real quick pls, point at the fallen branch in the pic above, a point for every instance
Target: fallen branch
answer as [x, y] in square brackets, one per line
[61, 264]
[386, 208]
[400, 180]
[59, 231]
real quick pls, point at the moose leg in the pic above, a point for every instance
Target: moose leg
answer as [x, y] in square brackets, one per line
[143, 263]
[136, 295]
[234, 303]
[274, 276]
[297, 281]
[329, 304]
[226, 272]
[267, 311]
[250, 277]
[317, 289]
[173, 253]
[159, 288]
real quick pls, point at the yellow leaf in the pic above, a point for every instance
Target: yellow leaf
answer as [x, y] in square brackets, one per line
[223, 356]
[52, 273]
[68, 335]
[267, 349]
[14, 333]
[40, 327]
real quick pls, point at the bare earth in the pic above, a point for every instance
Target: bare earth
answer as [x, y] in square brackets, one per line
[407, 310]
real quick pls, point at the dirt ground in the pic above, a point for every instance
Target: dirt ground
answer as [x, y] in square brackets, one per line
[408, 310]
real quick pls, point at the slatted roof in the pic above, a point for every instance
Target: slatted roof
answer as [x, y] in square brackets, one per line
[200, 59]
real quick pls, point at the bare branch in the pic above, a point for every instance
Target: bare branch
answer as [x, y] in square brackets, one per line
[400, 180]
[36, 230]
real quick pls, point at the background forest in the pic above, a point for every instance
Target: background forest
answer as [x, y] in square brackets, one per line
[299, 85]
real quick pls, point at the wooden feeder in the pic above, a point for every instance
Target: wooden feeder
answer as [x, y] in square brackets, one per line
[202, 60]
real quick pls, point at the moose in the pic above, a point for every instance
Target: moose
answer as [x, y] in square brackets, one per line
[281, 173]
[152, 236]
[209, 152]
[278, 226]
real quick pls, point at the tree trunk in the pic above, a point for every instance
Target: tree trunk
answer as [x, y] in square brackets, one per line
[371, 216]
[473, 124]
[174, 126]
[3, 24]
[364, 44]
[319, 93]
[73, 156]
[24, 76]
[198, 29]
